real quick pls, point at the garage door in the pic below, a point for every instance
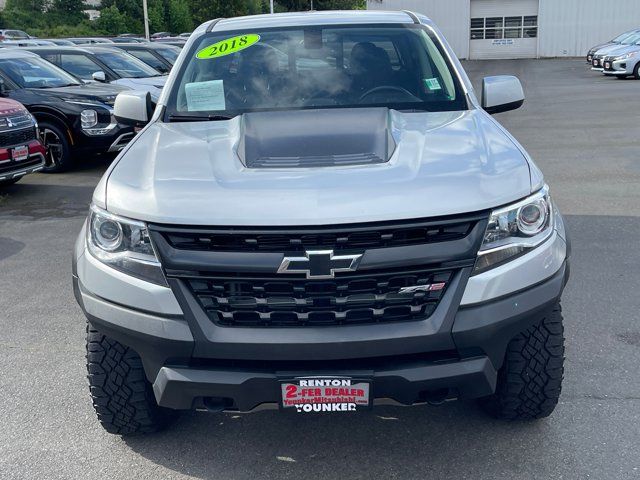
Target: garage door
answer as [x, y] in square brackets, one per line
[503, 29]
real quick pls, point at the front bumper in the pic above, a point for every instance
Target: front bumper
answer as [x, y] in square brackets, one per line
[618, 67]
[192, 362]
[113, 141]
[11, 170]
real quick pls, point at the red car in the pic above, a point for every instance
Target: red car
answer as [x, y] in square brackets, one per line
[20, 149]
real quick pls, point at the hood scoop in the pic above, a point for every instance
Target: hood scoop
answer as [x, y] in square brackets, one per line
[316, 138]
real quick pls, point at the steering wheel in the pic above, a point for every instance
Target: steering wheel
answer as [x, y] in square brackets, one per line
[390, 88]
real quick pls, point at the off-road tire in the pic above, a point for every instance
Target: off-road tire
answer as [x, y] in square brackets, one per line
[122, 397]
[530, 380]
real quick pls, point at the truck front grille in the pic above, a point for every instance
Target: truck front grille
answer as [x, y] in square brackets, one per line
[301, 239]
[359, 298]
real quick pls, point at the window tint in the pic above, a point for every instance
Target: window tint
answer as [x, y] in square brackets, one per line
[80, 65]
[170, 54]
[126, 66]
[35, 73]
[150, 59]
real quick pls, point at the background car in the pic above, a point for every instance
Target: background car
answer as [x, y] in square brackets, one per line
[175, 41]
[21, 152]
[74, 118]
[128, 40]
[89, 40]
[623, 62]
[105, 65]
[161, 35]
[598, 56]
[13, 35]
[616, 41]
[59, 41]
[28, 43]
[158, 56]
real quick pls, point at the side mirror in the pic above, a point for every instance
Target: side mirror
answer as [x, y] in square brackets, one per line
[133, 108]
[501, 94]
[99, 76]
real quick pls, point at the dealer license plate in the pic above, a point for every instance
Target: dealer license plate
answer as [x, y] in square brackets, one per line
[20, 154]
[325, 394]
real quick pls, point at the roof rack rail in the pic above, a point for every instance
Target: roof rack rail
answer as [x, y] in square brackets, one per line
[213, 24]
[413, 16]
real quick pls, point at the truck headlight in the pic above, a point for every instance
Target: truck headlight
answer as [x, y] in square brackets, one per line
[124, 245]
[516, 229]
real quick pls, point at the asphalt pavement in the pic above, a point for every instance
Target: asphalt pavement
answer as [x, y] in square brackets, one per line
[581, 128]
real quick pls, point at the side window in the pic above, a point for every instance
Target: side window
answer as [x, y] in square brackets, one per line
[150, 59]
[52, 57]
[80, 65]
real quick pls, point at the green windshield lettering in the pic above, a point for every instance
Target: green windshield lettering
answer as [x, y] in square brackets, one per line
[228, 46]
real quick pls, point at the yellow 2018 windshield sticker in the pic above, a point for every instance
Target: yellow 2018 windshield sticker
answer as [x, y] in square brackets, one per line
[228, 46]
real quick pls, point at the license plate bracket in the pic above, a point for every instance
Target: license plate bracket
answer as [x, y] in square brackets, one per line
[20, 154]
[325, 394]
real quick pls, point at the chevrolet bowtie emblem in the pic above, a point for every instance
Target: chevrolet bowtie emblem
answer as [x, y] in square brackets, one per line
[320, 264]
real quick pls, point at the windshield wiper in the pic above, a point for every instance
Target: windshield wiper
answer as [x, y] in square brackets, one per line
[199, 118]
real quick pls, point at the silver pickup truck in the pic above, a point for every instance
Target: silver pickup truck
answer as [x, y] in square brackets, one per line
[320, 216]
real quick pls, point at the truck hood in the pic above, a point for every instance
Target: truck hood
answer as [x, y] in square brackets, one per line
[191, 173]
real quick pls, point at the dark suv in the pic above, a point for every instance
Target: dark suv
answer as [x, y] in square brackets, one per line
[74, 118]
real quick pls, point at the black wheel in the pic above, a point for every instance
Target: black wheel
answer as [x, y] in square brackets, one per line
[56, 144]
[11, 181]
[122, 397]
[636, 72]
[530, 381]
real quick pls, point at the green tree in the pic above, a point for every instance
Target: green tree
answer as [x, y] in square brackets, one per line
[34, 6]
[67, 12]
[111, 21]
[179, 16]
[156, 11]
[302, 5]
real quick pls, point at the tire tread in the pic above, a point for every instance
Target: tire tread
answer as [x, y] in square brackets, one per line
[530, 380]
[121, 395]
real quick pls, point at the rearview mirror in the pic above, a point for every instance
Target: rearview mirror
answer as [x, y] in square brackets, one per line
[133, 108]
[99, 76]
[501, 94]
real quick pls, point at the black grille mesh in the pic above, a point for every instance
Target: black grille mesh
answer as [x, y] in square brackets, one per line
[380, 237]
[349, 299]
[17, 137]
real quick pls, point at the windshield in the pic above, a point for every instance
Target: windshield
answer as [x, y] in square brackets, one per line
[622, 36]
[631, 39]
[150, 59]
[169, 53]
[400, 67]
[35, 73]
[125, 65]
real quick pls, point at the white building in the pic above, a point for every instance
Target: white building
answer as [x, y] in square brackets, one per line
[523, 28]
